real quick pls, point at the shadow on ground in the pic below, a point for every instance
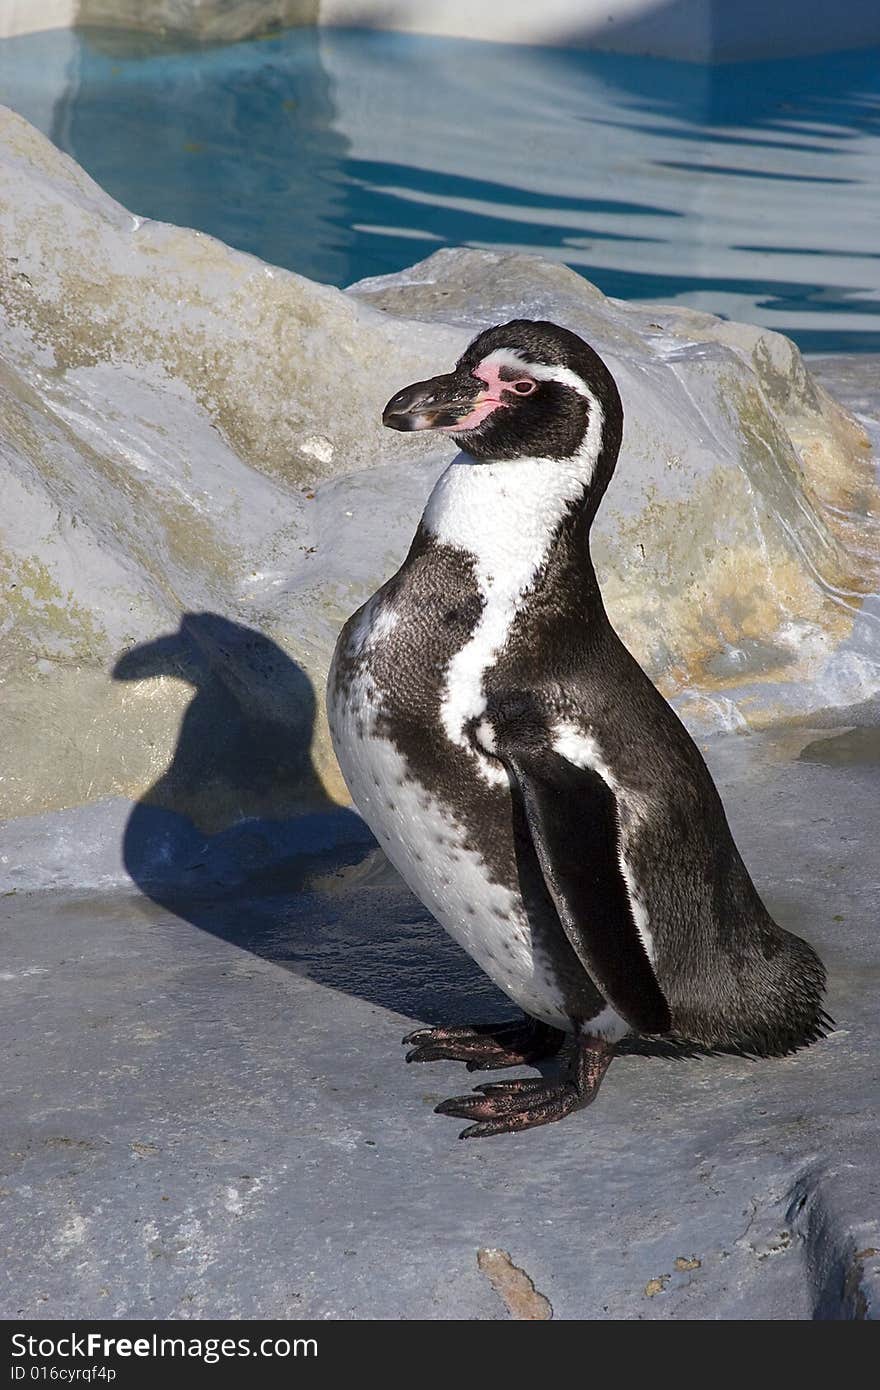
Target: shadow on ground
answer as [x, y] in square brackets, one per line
[238, 837]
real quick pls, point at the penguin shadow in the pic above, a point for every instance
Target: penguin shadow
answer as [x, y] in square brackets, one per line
[238, 837]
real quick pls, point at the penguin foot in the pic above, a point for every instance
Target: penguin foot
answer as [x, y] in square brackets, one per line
[487, 1046]
[505, 1107]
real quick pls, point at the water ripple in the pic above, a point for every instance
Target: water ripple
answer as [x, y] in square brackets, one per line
[749, 189]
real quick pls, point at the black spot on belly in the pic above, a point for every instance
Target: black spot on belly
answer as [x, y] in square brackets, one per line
[464, 615]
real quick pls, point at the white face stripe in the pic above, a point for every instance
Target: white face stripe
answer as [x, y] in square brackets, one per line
[509, 357]
[582, 749]
[506, 515]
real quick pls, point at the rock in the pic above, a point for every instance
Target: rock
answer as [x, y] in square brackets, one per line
[197, 491]
[210, 21]
[252, 1038]
[168, 408]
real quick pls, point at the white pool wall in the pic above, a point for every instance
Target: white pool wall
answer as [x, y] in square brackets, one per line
[33, 16]
[695, 30]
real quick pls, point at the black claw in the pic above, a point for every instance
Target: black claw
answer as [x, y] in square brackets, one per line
[428, 1054]
[457, 1106]
[472, 1132]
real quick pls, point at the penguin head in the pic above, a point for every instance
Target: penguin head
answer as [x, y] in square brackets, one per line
[524, 389]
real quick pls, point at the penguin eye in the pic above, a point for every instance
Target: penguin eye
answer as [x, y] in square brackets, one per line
[522, 388]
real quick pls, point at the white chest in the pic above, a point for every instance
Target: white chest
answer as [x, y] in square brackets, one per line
[433, 855]
[504, 517]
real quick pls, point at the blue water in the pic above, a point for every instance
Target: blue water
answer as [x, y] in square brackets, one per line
[749, 190]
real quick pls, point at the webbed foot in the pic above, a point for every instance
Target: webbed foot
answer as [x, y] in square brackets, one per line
[505, 1107]
[486, 1046]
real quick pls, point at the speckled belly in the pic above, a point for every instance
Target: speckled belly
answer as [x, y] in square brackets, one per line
[432, 854]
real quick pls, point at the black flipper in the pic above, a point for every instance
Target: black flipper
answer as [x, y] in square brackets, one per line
[572, 816]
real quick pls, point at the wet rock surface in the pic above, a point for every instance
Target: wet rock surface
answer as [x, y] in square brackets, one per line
[207, 1111]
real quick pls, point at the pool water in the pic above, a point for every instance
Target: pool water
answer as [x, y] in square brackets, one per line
[749, 190]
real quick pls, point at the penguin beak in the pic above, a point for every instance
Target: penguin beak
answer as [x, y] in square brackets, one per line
[447, 403]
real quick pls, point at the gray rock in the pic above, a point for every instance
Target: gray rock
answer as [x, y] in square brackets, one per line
[197, 490]
[210, 21]
[206, 1111]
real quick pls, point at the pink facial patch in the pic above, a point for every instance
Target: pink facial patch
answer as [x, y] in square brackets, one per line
[474, 417]
[490, 374]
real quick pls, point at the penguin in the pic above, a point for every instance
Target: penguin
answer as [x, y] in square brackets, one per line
[524, 775]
